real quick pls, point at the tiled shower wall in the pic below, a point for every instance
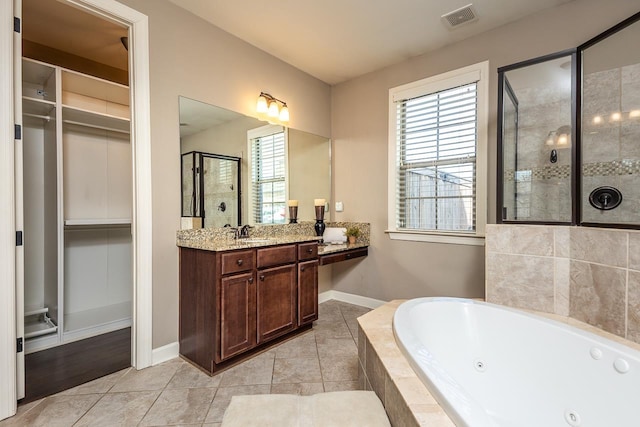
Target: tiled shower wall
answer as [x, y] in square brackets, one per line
[589, 274]
[541, 187]
[610, 133]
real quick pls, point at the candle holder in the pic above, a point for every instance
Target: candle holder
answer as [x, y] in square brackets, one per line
[319, 225]
[293, 214]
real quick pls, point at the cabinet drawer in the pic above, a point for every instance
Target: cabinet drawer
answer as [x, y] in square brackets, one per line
[307, 251]
[238, 261]
[277, 255]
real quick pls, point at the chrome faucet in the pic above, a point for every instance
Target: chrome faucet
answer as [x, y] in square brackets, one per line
[241, 232]
[244, 231]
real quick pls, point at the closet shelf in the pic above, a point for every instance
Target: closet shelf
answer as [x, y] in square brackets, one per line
[37, 106]
[92, 119]
[97, 223]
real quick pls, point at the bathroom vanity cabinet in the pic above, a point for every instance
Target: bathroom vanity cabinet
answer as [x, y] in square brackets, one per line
[236, 302]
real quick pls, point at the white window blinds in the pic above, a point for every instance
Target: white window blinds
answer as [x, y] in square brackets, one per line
[268, 168]
[436, 160]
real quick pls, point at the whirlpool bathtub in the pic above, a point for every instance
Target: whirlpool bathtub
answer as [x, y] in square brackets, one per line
[489, 365]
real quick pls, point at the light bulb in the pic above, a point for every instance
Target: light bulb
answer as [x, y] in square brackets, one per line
[597, 120]
[261, 105]
[634, 114]
[273, 109]
[284, 113]
[562, 139]
[550, 140]
[616, 117]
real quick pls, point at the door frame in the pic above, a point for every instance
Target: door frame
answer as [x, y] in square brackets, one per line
[141, 355]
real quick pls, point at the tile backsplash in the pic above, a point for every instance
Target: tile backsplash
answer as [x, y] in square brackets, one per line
[589, 274]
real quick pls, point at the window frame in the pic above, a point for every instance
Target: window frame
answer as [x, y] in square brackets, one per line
[258, 133]
[473, 73]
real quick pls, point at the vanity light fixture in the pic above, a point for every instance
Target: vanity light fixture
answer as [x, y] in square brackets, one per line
[273, 107]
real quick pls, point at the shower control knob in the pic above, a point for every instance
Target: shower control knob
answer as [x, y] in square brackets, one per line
[605, 198]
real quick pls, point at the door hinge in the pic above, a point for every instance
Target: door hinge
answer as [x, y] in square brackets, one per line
[19, 346]
[17, 131]
[18, 238]
[16, 24]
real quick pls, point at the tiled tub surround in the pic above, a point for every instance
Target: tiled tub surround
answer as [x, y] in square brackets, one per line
[384, 369]
[589, 274]
[219, 239]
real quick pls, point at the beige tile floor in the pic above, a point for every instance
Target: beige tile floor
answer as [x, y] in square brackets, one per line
[177, 394]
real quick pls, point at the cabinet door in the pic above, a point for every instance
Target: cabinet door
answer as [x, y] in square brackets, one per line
[307, 292]
[237, 315]
[276, 302]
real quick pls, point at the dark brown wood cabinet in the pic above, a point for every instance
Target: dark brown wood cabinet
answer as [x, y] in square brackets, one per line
[234, 302]
[276, 307]
[237, 315]
[307, 292]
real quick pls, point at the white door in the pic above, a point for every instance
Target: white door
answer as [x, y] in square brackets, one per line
[17, 97]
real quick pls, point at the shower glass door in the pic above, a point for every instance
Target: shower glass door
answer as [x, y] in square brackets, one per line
[536, 140]
[211, 188]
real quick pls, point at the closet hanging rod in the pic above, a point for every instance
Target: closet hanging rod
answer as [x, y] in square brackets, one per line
[38, 116]
[73, 122]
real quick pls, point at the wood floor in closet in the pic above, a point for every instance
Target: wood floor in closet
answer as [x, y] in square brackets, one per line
[60, 368]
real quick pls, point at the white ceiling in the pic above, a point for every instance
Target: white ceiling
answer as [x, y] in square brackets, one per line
[336, 40]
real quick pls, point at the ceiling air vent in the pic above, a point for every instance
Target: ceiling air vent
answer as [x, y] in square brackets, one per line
[460, 16]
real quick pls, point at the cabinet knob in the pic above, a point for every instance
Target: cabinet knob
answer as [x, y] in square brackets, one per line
[240, 262]
[262, 277]
[310, 250]
[301, 268]
[250, 279]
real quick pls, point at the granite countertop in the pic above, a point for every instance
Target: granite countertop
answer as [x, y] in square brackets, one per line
[221, 239]
[333, 248]
[232, 245]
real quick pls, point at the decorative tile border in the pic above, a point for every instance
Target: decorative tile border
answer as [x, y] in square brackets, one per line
[613, 168]
[616, 167]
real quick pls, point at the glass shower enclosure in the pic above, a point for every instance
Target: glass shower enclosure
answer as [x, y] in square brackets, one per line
[211, 188]
[537, 125]
[569, 134]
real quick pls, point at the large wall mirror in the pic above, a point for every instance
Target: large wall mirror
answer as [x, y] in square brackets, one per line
[277, 164]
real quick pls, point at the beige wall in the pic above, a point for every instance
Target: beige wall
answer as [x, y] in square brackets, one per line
[192, 58]
[359, 110]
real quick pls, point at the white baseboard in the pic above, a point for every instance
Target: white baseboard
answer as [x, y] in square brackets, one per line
[164, 353]
[172, 350]
[350, 298]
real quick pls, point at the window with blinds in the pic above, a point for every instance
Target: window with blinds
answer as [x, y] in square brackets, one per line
[268, 180]
[436, 160]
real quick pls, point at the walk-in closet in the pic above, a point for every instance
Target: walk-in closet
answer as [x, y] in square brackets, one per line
[77, 186]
